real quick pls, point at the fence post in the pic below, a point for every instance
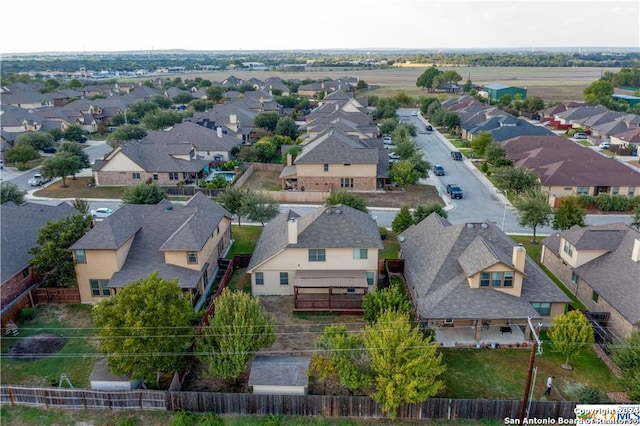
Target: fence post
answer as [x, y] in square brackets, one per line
[13, 400]
[44, 396]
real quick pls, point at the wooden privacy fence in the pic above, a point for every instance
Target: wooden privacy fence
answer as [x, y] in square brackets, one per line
[289, 405]
[57, 295]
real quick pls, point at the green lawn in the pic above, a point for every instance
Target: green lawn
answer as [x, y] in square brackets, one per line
[391, 248]
[76, 359]
[245, 238]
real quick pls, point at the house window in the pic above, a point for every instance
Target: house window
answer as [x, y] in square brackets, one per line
[100, 288]
[192, 257]
[574, 277]
[351, 290]
[317, 255]
[583, 190]
[508, 279]
[615, 190]
[484, 279]
[496, 279]
[326, 167]
[632, 191]
[346, 182]
[155, 176]
[347, 164]
[135, 175]
[543, 308]
[80, 256]
[370, 277]
[173, 175]
[594, 297]
[25, 272]
[568, 248]
[284, 278]
[259, 278]
[360, 253]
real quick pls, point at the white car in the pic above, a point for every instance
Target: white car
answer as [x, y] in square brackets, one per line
[387, 140]
[604, 145]
[101, 213]
[414, 113]
[38, 180]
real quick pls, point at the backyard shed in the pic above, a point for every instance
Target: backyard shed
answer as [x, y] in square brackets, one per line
[279, 375]
[102, 380]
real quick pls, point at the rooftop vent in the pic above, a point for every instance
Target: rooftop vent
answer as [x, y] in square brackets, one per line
[484, 226]
[469, 225]
[169, 208]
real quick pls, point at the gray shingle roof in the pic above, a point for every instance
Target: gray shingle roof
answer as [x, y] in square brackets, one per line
[279, 371]
[336, 147]
[203, 138]
[434, 253]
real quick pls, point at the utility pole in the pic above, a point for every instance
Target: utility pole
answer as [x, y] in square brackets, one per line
[527, 386]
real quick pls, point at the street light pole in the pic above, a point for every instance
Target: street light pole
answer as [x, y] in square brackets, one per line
[504, 213]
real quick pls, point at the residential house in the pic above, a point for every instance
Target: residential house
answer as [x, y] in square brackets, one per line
[178, 241]
[19, 120]
[629, 137]
[327, 259]
[506, 127]
[20, 224]
[474, 277]
[600, 264]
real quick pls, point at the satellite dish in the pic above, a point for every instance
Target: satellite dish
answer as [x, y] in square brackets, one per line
[401, 238]
[374, 217]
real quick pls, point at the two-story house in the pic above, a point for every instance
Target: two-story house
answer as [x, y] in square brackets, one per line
[328, 259]
[472, 276]
[600, 264]
[178, 241]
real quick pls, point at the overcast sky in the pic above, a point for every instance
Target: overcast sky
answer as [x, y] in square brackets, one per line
[136, 25]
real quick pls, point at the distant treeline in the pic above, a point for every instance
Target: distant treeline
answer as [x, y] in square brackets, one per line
[131, 62]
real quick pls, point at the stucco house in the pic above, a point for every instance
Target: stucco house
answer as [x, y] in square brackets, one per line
[328, 259]
[600, 264]
[178, 241]
[474, 277]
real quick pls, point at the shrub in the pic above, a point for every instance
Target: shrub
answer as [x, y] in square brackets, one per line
[586, 201]
[128, 421]
[27, 314]
[484, 168]
[383, 233]
[183, 418]
[584, 394]
[210, 419]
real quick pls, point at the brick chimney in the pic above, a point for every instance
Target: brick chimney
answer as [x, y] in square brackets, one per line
[292, 231]
[518, 257]
[635, 252]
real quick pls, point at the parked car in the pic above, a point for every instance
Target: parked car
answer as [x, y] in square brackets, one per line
[580, 135]
[429, 128]
[38, 180]
[604, 145]
[49, 150]
[394, 156]
[456, 155]
[111, 129]
[414, 113]
[387, 140]
[438, 170]
[454, 191]
[1, 164]
[83, 139]
[101, 213]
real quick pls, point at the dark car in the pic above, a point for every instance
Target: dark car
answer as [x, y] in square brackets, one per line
[438, 170]
[454, 191]
[429, 128]
[456, 155]
[83, 139]
[49, 150]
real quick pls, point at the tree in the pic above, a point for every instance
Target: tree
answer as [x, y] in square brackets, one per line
[182, 98]
[73, 133]
[61, 165]
[406, 365]
[425, 80]
[534, 210]
[626, 356]
[265, 149]
[451, 120]
[37, 140]
[494, 152]
[515, 179]
[361, 85]
[76, 150]
[287, 126]
[403, 220]
[426, 102]
[51, 256]
[231, 199]
[239, 328]
[143, 193]
[22, 154]
[348, 199]
[568, 214]
[267, 120]
[259, 207]
[392, 298]
[571, 333]
[214, 93]
[480, 143]
[404, 173]
[422, 211]
[598, 92]
[9, 192]
[387, 126]
[161, 119]
[125, 133]
[82, 206]
[635, 218]
[74, 83]
[146, 329]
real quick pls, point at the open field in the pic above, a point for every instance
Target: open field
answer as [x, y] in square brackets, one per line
[551, 84]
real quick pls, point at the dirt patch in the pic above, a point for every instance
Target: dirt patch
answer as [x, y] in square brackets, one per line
[36, 347]
[263, 180]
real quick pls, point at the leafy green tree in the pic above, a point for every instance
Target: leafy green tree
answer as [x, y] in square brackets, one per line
[348, 199]
[51, 256]
[404, 99]
[200, 105]
[289, 101]
[534, 210]
[10, 192]
[293, 151]
[387, 125]
[425, 80]
[286, 126]
[598, 92]
[533, 104]
[447, 77]
[402, 221]
[22, 154]
[146, 329]
[451, 120]
[161, 119]
[259, 207]
[238, 329]
[346, 354]
[361, 85]
[37, 140]
[161, 102]
[570, 334]
[267, 120]
[143, 193]
[386, 108]
[515, 179]
[182, 98]
[215, 93]
[265, 149]
[494, 152]
[406, 365]
[231, 200]
[404, 173]
[61, 165]
[125, 133]
[56, 133]
[82, 206]
[393, 298]
[430, 107]
[76, 150]
[422, 211]
[626, 356]
[568, 214]
[635, 218]
[74, 83]
[480, 143]
[73, 133]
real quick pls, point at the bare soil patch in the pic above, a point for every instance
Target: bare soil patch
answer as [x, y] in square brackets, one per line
[33, 348]
[263, 180]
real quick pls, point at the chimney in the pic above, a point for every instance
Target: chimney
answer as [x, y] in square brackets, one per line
[635, 252]
[289, 159]
[233, 119]
[292, 231]
[518, 257]
[219, 131]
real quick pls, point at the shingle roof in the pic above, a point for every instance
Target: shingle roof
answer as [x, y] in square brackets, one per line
[333, 147]
[203, 138]
[435, 262]
[279, 371]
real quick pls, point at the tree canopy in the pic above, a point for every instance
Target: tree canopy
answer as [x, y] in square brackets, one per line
[146, 329]
[515, 179]
[403, 220]
[267, 120]
[62, 164]
[22, 154]
[426, 78]
[259, 207]
[626, 356]
[143, 193]
[9, 191]
[570, 334]
[348, 199]
[568, 214]
[534, 210]
[75, 149]
[393, 298]
[286, 126]
[38, 140]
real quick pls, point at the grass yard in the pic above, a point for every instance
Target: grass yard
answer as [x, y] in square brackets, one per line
[75, 359]
[78, 189]
[391, 248]
[245, 238]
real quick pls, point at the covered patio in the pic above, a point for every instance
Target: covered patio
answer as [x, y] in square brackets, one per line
[330, 291]
[491, 336]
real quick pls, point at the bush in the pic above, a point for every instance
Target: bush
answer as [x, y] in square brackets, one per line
[27, 314]
[484, 168]
[183, 418]
[383, 233]
[584, 394]
[586, 201]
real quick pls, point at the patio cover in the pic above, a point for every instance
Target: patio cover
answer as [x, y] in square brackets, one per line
[326, 279]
